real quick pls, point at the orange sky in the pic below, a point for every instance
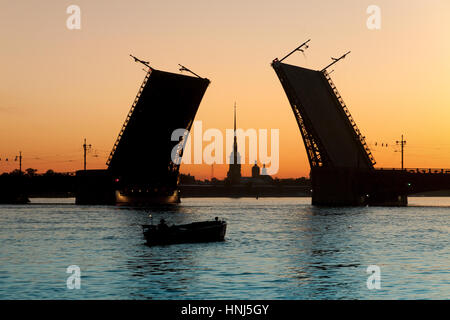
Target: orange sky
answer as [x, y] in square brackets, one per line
[58, 86]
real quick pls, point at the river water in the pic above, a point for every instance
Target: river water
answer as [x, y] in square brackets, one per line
[275, 248]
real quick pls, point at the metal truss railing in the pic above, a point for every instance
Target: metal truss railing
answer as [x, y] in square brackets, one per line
[138, 95]
[417, 170]
[350, 118]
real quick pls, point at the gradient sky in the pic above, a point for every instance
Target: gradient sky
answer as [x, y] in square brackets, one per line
[58, 86]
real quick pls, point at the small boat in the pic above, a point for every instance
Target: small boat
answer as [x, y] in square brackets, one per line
[205, 231]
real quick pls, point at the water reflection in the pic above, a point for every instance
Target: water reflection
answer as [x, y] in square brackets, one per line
[274, 249]
[321, 249]
[158, 271]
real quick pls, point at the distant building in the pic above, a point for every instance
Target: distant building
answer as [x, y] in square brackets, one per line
[264, 170]
[260, 177]
[255, 171]
[234, 176]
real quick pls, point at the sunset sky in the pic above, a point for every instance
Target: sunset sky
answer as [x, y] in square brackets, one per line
[59, 86]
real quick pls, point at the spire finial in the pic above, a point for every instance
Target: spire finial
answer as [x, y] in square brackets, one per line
[235, 117]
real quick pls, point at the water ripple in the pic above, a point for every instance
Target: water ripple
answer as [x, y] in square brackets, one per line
[274, 249]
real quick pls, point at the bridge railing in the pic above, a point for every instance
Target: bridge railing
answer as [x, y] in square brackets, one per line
[358, 133]
[417, 170]
[136, 99]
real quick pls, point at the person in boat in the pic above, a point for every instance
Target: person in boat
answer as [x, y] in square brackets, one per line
[162, 225]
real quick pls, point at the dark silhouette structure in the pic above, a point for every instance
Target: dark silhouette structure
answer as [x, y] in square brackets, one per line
[17, 187]
[342, 166]
[255, 171]
[140, 166]
[13, 189]
[234, 171]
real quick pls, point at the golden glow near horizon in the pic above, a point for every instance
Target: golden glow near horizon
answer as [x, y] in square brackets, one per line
[59, 86]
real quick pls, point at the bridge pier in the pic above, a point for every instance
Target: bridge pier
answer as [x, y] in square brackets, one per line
[99, 187]
[353, 187]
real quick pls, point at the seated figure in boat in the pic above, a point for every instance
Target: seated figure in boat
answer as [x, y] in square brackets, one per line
[162, 225]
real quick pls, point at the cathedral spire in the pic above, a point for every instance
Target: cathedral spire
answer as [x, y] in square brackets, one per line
[235, 118]
[235, 147]
[234, 171]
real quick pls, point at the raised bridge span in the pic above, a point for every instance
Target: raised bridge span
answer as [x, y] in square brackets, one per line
[140, 167]
[342, 165]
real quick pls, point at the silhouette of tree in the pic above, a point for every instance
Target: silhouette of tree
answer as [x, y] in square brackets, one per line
[49, 172]
[31, 172]
[15, 172]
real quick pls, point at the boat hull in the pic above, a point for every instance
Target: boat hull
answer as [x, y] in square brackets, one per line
[209, 231]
